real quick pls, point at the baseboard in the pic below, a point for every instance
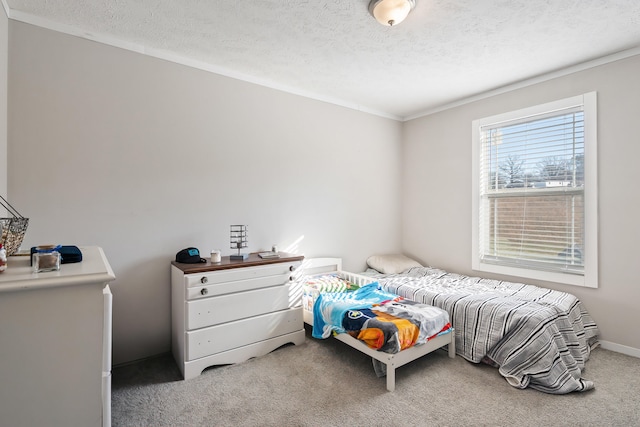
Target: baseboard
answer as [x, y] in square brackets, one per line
[629, 351]
[607, 345]
[133, 362]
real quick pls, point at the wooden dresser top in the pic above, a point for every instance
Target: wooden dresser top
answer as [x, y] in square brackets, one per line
[227, 263]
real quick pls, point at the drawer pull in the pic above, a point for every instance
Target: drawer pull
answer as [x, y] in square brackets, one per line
[291, 268]
[204, 279]
[204, 291]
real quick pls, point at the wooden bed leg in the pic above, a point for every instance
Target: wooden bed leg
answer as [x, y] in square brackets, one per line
[391, 377]
[452, 345]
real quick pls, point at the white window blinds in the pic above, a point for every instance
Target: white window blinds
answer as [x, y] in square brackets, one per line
[532, 191]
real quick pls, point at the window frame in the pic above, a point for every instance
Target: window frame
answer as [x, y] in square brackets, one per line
[589, 278]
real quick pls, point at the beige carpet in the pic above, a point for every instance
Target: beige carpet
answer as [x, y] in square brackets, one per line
[327, 383]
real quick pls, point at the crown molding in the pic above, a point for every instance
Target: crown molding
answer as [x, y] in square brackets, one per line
[173, 57]
[178, 59]
[529, 82]
[5, 6]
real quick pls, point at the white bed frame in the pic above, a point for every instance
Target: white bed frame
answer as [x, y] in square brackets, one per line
[318, 266]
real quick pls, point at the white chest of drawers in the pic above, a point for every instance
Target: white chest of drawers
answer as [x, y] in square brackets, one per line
[231, 311]
[55, 343]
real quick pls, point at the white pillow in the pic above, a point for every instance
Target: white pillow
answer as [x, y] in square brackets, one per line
[391, 263]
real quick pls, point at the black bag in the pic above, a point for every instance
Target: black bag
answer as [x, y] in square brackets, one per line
[68, 254]
[189, 256]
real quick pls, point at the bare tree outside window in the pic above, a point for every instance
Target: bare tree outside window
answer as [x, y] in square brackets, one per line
[555, 168]
[512, 172]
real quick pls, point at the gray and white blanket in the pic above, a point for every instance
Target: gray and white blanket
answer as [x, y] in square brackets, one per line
[537, 337]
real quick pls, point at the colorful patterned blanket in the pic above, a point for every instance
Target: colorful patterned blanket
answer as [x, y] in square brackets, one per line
[382, 320]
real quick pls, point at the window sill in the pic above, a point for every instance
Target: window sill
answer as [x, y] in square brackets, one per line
[547, 276]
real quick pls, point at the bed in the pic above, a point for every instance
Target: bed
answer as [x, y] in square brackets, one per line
[536, 337]
[336, 294]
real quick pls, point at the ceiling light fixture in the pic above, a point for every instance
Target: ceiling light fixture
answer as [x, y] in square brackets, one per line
[390, 12]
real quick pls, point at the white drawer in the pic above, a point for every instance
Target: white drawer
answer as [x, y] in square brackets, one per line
[239, 274]
[220, 309]
[203, 292]
[215, 339]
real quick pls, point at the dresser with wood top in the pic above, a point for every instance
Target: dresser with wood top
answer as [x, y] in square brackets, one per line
[231, 311]
[55, 343]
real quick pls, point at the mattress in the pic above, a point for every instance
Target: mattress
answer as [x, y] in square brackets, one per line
[537, 337]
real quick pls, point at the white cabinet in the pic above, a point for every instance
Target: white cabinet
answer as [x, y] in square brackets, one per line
[230, 311]
[55, 343]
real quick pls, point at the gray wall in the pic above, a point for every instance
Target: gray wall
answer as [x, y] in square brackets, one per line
[437, 188]
[144, 157]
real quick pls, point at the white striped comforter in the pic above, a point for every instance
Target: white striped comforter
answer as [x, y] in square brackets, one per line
[538, 337]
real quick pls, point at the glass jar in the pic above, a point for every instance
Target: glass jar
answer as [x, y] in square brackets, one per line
[46, 258]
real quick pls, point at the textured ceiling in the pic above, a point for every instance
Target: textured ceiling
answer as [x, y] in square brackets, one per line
[333, 50]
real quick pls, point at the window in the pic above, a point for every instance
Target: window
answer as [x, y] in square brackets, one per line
[535, 192]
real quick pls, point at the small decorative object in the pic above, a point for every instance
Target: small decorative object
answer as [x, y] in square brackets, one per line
[268, 255]
[215, 256]
[46, 258]
[13, 228]
[239, 241]
[274, 248]
[3, 258]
